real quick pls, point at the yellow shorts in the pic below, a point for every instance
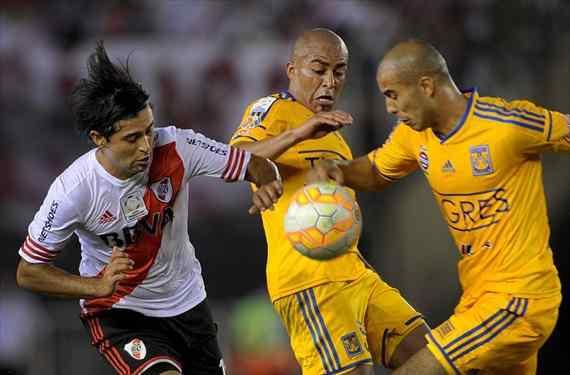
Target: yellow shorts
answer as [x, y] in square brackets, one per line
[337, 326]
[498, 333]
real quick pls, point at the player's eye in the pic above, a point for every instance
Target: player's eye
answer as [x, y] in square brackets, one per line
[391, 95]
[340, 73]
[131, 138]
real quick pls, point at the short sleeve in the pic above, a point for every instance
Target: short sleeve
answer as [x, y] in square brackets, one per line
[259, 121]
[206, 157]
[561, 138]
[537, 129]
[394, 159]
[53, 224]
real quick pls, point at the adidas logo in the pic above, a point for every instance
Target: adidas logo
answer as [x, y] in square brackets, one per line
[448, 167]
[107, 217]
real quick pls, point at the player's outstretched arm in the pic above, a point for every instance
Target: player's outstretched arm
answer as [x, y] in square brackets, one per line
[358, 174]
[48, 279]
[317, 126]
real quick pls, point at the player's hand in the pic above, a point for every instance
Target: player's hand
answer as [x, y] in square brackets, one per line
[114, 272]
[266, 196]
[325, 170]
[323, 123]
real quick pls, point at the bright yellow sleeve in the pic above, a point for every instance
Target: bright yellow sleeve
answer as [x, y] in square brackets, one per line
[539, 129]
[259, 121]
[395, 159]
[561, 131]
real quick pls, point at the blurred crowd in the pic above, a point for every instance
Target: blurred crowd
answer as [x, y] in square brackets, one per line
[203, 61]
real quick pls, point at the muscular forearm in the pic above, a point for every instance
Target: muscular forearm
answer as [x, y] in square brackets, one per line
[360, 174]
[47, 279]
[260, 171]
[271, 148]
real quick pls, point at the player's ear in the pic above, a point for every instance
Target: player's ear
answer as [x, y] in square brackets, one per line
[97, 138]
[290, 70]
[427, 85]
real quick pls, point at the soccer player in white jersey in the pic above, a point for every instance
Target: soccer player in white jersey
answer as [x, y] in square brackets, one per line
[140, 286]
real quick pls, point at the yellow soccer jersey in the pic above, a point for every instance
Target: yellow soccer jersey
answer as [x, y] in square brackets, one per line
[486, 176]
[287, 270]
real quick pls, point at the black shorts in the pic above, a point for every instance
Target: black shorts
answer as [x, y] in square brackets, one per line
[133, 343]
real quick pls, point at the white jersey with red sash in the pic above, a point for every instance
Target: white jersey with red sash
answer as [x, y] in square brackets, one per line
[147, 215]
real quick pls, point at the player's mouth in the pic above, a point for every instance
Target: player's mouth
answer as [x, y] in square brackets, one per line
[325, 100]
[144, 161]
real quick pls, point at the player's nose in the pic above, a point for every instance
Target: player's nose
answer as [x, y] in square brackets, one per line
[329, 80]
[146, 144]
[391, 108]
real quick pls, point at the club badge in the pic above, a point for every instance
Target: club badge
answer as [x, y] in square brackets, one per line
[481, 164]
[136, 348]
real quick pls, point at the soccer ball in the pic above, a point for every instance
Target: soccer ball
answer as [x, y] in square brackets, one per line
[323, 220]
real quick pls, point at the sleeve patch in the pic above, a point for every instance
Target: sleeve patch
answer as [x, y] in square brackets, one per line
[259, 110]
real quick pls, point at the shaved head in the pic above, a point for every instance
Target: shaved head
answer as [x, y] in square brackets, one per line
[418, 88]
[316, 39]
[412, 59]
[317, 69]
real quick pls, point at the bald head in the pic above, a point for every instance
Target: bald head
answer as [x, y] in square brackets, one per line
[317, 39]
[317, 69]
[418, 89]
[413, 59]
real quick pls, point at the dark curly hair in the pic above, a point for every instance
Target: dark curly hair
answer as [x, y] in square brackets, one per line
[108, 94]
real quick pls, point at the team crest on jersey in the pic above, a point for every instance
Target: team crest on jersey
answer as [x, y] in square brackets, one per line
[136, 348]
[424, 158]
[162, 189]
[481, 164]
[351, 344]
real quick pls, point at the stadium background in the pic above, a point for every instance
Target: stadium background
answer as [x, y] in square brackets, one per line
[202, 62]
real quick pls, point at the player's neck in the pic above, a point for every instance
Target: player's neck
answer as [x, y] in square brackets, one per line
[456, 105]
[107, 163]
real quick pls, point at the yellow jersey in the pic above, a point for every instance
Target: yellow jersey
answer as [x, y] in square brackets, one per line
[486, 176]
[287, 270]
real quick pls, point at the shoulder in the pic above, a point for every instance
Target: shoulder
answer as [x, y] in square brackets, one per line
[175, 137]
[402, 132]
[75, 188]
[502, 103]
[260, 109]
[171, 134]
[520, 108]
[265, 104]
[165, 135]
[77, 175]
[520, 114]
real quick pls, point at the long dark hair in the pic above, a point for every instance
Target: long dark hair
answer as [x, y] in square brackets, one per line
[108, 94]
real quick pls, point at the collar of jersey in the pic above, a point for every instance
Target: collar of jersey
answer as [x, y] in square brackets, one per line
[285, 94]
[109, 177]
[444, 137]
